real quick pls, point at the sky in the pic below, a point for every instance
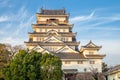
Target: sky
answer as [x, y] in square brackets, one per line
[96, 20]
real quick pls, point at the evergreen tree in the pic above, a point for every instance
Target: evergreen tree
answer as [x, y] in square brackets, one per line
[51, 67]
[33, 66]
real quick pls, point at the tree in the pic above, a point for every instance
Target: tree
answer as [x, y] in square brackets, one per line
[14, 49]
[7, 52]
[104, 67]
[4, 58]
[97, 75]
[51, 67]
[31, 66]
[94, 73]
[24, 66]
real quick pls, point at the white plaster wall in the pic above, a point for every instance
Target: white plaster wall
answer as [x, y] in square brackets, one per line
[34, 38]
[69, 38]
[81, 67]
[87, 51]
[98, 64]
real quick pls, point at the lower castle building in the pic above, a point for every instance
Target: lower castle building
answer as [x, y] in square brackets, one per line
[53, 34]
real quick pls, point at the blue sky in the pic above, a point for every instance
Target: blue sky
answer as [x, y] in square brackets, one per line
[94, 20]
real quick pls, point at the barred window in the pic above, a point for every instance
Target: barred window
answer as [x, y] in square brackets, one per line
[80, 62]
[91, 52]
[67, 62]
[92, 62]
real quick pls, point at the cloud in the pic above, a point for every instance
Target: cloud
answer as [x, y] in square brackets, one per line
[12, 41]
[96, 21]
[4, 18]
[105, 28]
[25, 20]
[16, 29]
[1, 32]
[82, 18]
[104, 20]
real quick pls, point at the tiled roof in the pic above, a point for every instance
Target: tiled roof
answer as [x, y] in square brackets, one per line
[49, 25]
[112, 69]
[91, 45]
[47, 32]
[52, 12]
[70, 70]
[95, 56]
[117, 67]
[44, 34]
[52, 43]
[70, 55]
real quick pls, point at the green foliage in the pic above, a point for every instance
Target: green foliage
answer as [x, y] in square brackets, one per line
[7, 53]
[51, 67]
[104, 67]
[4, 58]
[33, 66]
[24, 66]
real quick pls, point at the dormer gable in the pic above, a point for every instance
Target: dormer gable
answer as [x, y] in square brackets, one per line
[91, 45]
[66, 49]
[90, 48]
[52, 32]
[45, 51]
[38, 48]
[52, 39]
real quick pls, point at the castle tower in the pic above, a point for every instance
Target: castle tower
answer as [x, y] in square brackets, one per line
[92, 55]
[53, 33]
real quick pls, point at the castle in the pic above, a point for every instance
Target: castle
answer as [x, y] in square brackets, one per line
[53, 34]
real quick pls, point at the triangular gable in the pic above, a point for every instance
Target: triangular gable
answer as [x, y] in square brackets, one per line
[53, 32]
[66, 49]
[91, 44]
[52, 39]
[38, 48]
[45, 51]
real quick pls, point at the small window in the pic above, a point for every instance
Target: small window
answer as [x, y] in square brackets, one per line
[31, 39]
[66, 39]
[58, 30]
[45, 30]
[85, 69]
[63, 38]
[40, 38]
[91, 52]
[80, 62]
[63, 30]
[118, 76]
[67, 62]
[40, 30]
[52, 48]
[92, 62]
